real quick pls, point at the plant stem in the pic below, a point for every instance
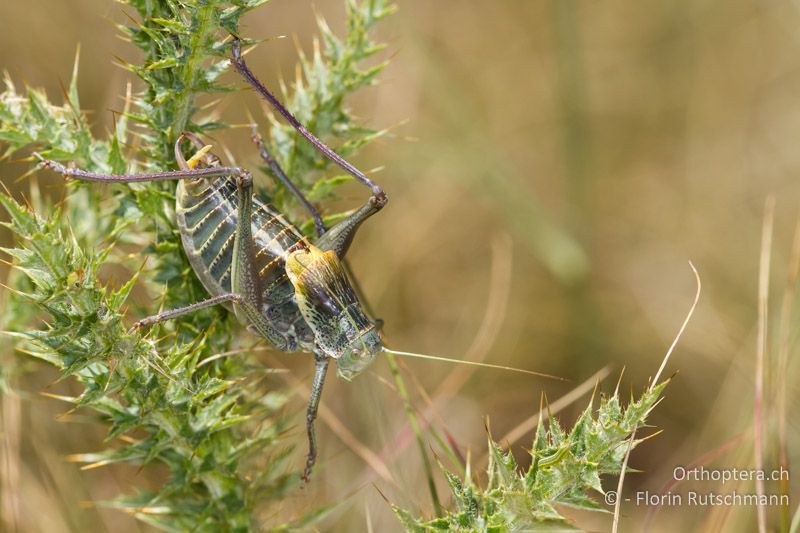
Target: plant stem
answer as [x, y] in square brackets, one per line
[197, 52]
[414, 423]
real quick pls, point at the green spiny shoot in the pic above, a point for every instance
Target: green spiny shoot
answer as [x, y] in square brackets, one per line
[165, 398]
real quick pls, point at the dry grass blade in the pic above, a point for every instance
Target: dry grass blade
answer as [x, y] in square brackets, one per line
[653, 383]
[9, 454]
[761, 351]
[413, 421]
[785, 330]
[703, 460]
[493, 318]
[683, 327]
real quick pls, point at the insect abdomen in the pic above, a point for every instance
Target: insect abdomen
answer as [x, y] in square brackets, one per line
[207, 215]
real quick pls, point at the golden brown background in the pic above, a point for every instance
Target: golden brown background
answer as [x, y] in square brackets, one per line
[651, 132]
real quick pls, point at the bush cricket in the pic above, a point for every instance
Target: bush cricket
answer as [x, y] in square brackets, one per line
[285, 288]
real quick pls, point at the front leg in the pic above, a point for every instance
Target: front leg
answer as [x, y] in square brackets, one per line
[281, 176]
[174, 313]
[320, 370]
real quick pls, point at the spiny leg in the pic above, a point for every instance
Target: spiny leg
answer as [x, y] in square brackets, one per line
[245, 293]
[278, 172]
[76, 173]
[320, 370]
[246, 279]
[180, 311]
[244, 275]
[378, 199]
[339, 237]
[185, 173]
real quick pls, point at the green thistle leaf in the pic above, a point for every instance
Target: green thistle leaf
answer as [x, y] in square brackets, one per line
[566, 470]
[219, 436]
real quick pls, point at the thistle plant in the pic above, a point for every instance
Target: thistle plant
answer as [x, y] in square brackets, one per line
[170, 398]
[167, 398]
[565, 470]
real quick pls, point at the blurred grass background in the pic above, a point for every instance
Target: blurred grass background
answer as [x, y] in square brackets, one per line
[553, 166]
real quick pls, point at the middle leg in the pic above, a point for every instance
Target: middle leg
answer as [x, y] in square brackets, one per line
[278, 172]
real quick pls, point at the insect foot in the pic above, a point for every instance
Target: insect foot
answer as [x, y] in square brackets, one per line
[52, 165]
[379, 200]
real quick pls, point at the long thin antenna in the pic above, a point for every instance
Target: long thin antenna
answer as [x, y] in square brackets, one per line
[473, 363]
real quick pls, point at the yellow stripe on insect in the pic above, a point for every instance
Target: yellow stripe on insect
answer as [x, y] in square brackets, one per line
[201, 153]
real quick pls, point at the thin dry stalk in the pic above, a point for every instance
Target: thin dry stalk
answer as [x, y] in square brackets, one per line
[618, 505]
[10, 457]
[787, 310]
[683, 327]
[415, 426]
[761, 351]
[706, 458]
[723, 518]
[493, 318]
